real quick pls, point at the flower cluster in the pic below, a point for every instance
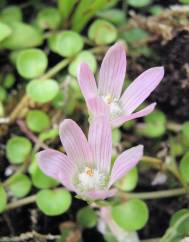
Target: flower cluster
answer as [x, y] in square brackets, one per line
[86, 168]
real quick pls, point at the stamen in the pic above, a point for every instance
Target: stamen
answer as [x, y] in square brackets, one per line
[115, 106]
[90, 179]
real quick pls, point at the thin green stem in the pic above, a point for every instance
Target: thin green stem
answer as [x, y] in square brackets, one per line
[21, 202]
[155, 195]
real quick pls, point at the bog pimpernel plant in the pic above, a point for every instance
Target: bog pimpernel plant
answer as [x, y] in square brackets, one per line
[88, 150]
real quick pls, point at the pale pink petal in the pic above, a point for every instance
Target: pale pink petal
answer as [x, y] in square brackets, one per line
[126, 117]
[75, 143]
[100, 140]
[101, 194]
[112, 71]
[98, 107]
[87, 81]
[125, 162]
[141, 88]
[58, 166]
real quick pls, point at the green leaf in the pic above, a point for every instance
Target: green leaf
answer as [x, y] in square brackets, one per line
[132, 215]
[11, 14]
[134, 35]
[37, 121]
[129, 181]
[178, 230]
[48, 135]
[184, 167]
[9, 80]
[5, 31]
[17, 149]
[53, 203]
[185, 134]
[58, 101]
[85, 11]
[155, 125]
[184, 1]
[2, 111]
[23, 36]
[66, 43]
[116, 136]
[31, 63]
[66, 6]
[86, 217]
[3, 199]
[176, 216]
[115, 16]
[156, 10]
[139, 3]
[3, 94]
[42, 91]
[48, 18]
[102, 32]
[83, 57]
[20, 186]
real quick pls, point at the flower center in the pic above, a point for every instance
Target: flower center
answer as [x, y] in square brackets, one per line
[90, 179]
[115, 107]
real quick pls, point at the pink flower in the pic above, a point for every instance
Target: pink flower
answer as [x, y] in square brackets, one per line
[86, 169]
[111, 78]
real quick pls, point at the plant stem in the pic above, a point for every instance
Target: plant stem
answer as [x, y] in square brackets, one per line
[155, 195]
[122, 195]
[25, 99]
[150, 240]
[21, 202]
[152, 160]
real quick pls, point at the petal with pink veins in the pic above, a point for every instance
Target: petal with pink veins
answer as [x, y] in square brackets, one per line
[75, 143]
[58, 166]
[125, 162]
[124, 118]
[141, 88]
[100, 140]
[87, 82]
[98, 107]
[112, 71]
[101, 194]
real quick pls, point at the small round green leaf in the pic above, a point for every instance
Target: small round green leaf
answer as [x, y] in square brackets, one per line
[20, 186]
[31, 63]
[176, 216]
[102, 32]
[139, 3]
[23, 36]
[5, 31]
[66, 43]
[132, 215]
[3, 199]
[42, 91]
[86, 217]
[48, 18]
[11, 14]
[55, 202]
[83, 57]
[17, 149]
[129, 181]
[184, 167]
[155, 125]
[37, 121]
